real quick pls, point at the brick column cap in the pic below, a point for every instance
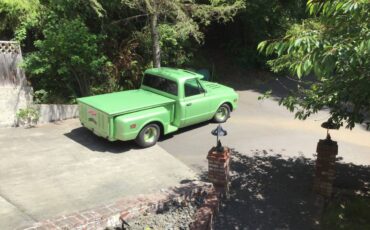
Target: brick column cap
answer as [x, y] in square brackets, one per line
[217, 156]
[328, 142]
[325, 146]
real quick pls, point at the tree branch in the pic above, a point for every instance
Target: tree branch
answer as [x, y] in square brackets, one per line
[125, 20]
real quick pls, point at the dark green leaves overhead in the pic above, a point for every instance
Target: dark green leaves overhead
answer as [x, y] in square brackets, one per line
[333, 45]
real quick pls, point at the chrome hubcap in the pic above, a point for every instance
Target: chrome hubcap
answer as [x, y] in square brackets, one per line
[221, 113]
[150, 134]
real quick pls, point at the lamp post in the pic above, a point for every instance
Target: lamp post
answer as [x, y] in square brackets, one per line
[327, 149]
[329, 125]
[219, 131]
[219, 163]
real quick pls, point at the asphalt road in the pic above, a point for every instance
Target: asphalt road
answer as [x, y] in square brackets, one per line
[263, 125]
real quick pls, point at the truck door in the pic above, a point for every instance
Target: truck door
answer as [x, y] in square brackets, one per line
[195, 102]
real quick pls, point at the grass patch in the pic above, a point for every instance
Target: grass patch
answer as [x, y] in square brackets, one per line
[347, 213]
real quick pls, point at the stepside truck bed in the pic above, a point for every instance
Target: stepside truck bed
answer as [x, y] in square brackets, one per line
[97, 113]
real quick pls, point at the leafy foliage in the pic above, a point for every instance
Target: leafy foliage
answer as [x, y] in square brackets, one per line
[126, 70]
[28, 116]
[81, 47]
[16, 16]
[334, 46]
[185, 17]
[67, 59]
[176, 49]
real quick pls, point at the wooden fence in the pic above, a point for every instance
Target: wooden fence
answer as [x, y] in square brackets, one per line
[10, 57]
[15, 92]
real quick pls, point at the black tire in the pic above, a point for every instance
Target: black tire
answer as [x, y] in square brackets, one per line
[224, 109]
[148, 136]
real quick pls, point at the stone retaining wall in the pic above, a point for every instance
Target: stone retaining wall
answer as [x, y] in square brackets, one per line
[12, 98]
[112, 214]
[56, 112]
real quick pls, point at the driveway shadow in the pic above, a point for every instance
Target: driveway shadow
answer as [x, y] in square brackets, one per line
[185, 129]
[86, 138]
[269, 192]
[95, 143]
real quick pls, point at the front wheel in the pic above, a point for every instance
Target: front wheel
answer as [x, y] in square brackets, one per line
[148, 136]
[222, 113]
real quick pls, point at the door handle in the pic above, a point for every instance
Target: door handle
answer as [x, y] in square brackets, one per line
[188, 104]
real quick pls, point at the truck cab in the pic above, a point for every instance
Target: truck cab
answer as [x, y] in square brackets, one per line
[167, 100]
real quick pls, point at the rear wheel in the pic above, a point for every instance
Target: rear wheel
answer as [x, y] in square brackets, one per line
[148, 136]
[222, 113]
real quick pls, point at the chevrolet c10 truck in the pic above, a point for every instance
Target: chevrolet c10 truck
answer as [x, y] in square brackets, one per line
[167, 100]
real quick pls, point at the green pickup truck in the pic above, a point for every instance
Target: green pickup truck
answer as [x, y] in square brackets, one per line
[167, 100]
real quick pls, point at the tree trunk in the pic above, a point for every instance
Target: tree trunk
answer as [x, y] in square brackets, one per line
[155, 40]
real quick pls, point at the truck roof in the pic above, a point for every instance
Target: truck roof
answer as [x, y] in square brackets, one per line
[173, 73]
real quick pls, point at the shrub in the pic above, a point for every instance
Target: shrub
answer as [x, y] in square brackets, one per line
[28, 117]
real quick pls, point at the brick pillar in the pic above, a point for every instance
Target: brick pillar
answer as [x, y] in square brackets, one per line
[325, 167]
[219, 167]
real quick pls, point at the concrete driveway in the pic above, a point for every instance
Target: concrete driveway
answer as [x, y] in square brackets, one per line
[60, 168]
[259, 125]
[57, 169]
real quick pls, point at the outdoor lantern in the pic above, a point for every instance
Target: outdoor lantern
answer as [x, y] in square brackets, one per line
[219, 131]
[329, 124]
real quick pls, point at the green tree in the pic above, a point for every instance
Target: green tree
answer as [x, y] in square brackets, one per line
[184, 16]
[334, 46]
[67, 60]
[16, 16]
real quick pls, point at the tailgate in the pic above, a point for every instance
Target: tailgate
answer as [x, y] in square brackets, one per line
[94, 119]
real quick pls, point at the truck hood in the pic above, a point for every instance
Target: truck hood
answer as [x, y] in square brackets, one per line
[125, 101]
[213, 87]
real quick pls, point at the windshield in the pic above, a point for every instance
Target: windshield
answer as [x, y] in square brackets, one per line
[160, 83]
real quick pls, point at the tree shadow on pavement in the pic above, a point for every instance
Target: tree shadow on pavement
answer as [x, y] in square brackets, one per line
[269, 192]
[86, 138]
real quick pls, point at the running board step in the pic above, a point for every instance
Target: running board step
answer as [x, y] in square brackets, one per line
[171, 129]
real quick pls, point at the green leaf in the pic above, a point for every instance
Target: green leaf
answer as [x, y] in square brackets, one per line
[299, 70]
[261, 46]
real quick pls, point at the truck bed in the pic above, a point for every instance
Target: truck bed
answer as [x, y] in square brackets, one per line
[125, 102]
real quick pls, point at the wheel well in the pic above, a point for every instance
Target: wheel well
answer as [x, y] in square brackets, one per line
[230, 105]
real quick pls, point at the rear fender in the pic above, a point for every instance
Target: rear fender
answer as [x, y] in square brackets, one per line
[129, 125]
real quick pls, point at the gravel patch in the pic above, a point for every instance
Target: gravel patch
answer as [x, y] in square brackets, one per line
[173, 218]
[176, 214]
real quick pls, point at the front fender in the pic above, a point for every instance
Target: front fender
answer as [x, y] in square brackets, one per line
[232, 100]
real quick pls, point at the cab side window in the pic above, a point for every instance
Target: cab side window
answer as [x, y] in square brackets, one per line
[193, 87]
